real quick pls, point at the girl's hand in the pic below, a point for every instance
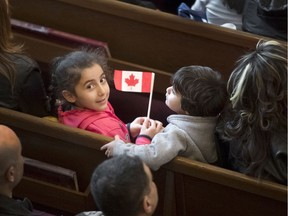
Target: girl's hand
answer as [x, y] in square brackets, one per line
[151, 127]
[136, 125]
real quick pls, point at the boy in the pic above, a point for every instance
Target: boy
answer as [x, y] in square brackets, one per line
[197, 95]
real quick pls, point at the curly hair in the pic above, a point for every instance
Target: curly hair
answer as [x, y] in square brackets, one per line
[258, 108]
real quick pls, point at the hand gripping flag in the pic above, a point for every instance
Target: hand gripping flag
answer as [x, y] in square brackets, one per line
[135, 81]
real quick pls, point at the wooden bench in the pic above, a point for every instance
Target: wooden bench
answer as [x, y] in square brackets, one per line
[185, 187]
[202, 189]
[142, 36]
[69, 148]
[43, 44]
[59, 145]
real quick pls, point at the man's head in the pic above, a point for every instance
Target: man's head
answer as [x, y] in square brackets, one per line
[123, 185]
[11, 161]
[201, 89]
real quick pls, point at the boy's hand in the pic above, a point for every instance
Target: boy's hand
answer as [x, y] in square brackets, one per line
[151, 127]
[109, 147]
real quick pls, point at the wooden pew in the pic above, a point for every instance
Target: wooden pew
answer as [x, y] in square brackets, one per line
[43, 47]
[66, 147]
[202, 189]
[59, 145]
[143, 36]
[43, 44]
[185, 187]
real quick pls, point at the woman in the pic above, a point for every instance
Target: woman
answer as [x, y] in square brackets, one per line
[21, 84]
[255, 124]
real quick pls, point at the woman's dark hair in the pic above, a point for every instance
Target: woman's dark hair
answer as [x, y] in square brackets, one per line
[258, 108]
[237, 5]
[7, 46]
[202, 91]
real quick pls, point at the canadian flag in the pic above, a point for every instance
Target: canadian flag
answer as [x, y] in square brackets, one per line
[133, 81]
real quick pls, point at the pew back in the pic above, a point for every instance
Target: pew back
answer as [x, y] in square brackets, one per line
[59, 145]
[43, 46]
[140, 35]
[185, 187]
[203, 189]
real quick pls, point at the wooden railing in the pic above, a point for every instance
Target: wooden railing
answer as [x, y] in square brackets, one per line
[142, 36]
[185, 187]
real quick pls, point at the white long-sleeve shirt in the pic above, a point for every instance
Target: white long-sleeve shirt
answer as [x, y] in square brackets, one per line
[217, 13]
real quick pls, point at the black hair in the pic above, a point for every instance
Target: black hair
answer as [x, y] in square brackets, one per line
[67, 69]
[119, 184]
[258, 109]
[237, 5]
[202, 91]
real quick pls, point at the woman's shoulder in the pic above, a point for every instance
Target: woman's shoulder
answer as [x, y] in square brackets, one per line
[22, 59]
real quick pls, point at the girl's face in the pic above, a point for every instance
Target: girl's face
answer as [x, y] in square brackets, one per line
[173, 100]
[92, 91]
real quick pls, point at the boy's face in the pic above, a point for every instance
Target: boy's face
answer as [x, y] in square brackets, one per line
[173, 100]
[92, 91]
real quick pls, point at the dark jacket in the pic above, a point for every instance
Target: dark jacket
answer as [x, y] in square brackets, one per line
[268, 21]
[276, 167]
[29, 94]
[9, 206]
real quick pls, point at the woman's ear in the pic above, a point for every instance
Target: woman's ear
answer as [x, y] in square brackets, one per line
[69, 96]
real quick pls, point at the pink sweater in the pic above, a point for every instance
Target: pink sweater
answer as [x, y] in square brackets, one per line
[105, 122]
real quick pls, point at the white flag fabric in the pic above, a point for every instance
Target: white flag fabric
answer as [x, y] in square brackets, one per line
[133, 81]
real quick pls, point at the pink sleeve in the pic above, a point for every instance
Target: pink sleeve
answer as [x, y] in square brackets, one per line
[143, 140]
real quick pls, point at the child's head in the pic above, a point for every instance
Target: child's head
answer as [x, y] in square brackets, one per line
[80, 79]
[196, 91]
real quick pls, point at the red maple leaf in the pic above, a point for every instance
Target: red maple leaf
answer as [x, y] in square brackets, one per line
[131, 81]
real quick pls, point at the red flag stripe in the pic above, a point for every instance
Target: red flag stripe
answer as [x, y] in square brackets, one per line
[118, 79]
[146, 82]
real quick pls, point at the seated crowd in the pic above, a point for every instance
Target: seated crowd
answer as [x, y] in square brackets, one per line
[241, 125]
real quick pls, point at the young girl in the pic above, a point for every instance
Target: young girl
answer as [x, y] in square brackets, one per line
[80, 80]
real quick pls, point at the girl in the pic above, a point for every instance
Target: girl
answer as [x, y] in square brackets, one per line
[80, 80]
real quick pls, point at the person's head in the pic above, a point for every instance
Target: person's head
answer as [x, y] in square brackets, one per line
[258, 85]
[80, 79]
[11, 161]
[196, 91]
[123, 185]
[258, 94]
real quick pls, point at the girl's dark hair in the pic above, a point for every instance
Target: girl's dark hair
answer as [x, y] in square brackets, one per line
[258, 109]
[202, 91]
[237, 5]
[67, 69]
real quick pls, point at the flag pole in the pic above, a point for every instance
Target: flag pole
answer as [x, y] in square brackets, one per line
[150, 96]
